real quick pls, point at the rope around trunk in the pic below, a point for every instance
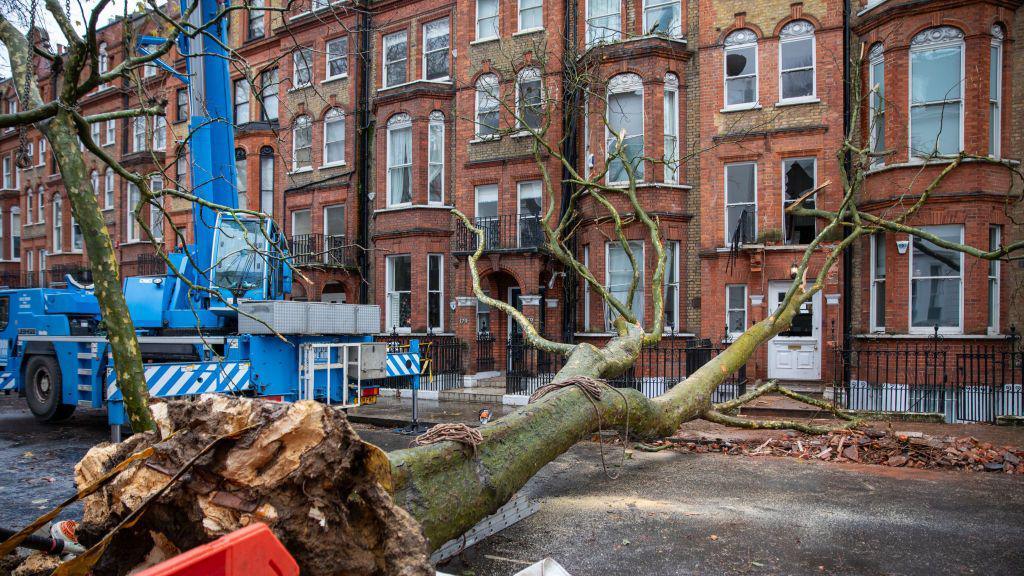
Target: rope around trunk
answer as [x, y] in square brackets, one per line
[460, 433]
[592, 388]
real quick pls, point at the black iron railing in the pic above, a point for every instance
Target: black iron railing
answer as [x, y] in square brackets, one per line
[485, 361]
[321, 250]
[441, 362]
[657, 369]
[964, 381]
[144, 265]
[81, 274]
[505, 232]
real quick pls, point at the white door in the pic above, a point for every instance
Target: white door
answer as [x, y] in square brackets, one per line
[796, 353]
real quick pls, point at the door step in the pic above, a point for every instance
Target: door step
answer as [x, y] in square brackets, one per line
[811, 388]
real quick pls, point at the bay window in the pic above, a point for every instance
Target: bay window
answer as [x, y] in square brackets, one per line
[435, 292]
[876, 100]
[624, 135]
[799, 177]
[663, 17]
[995, 91]
[334, 137]
[671, 129]
[741, 69]
[302, 143]
[796, 61]
[878, 274]
[487, 106]
[399, 293]
[435, 159]
[619, 278]
[604, 21]
[486, 19]
[936, 92]
[399, 143]
[529, 98]
[670, 293]
[396, 55]
[740, 202]
[436, 47]
[936, 282]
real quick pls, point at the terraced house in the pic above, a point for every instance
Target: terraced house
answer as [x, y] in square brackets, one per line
[361, 125]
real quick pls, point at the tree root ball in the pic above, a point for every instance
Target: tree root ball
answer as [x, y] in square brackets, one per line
[302, 470]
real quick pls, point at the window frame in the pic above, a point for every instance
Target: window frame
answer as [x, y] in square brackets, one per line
[743, 42]
[730, 307]
[876, 102]
[625, 83]
[436, 121]
[439, 291]
[30, 200]
[535, 189]
[671, 251]
[997, 54]
[786, 202]
[305, 123]
[180, 105]
[447, 49]
[159, 133]
[389, 291]
[910, 292]
[274, 74]
[649, 5]
[111, 135]
[333, 115]
[477, 37]
[15, 234]
[877, 245]
[387, 63]
[329, 58]
[132, 233]
[108, 188]
[671, 121]
[605, 38]
[396, 123]
[519, 16]
[239, 87]
[922, 43]
[139, 139]
[529, 75]
[994, 281]
[256, 15]
[753, 202]
[795, 37]
[641, 286]
[299, 55]
[266, 156]
[156, 216]
[494, 96]
[586, 290]
[57, 226]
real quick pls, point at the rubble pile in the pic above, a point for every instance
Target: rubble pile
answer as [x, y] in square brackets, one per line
[897, 449]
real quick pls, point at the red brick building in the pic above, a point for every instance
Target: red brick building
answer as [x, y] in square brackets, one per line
[359, 128]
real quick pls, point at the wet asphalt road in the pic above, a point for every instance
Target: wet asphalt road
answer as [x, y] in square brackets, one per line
[669, 513]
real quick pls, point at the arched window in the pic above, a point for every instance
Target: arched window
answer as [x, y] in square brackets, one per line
[529, 98]
[334, 137]
[487, 106]
[108, 189]
[399, 160]
[435, 159]
[267, 180]
[302, 143]
[796, 61]
[58, 224]
[671, 119]
[876, 101]
[741, 69]
[995, 91]
[625, 123]
[936, 92]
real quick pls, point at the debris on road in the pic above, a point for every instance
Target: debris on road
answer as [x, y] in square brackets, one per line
[879, 447]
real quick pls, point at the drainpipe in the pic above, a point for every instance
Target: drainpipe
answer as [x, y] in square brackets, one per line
[365, 144]
[570, 149]
[848, 161]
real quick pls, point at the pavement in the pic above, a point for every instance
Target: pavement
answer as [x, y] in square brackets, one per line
[668, 513]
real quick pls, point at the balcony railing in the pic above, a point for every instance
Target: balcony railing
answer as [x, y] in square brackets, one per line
[144, 265]
[322, 250]
[505, 232]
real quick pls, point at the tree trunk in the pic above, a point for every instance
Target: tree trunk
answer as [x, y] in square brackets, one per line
[448, 488]
[63, 137]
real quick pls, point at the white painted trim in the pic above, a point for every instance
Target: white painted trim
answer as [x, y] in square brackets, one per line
[813, 97]
[725, 198]
[757, 78]
[910, 84]
[910, 289]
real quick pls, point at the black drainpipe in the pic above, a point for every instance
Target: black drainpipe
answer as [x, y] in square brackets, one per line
[365, 143]
[848, 161]
[570, 149]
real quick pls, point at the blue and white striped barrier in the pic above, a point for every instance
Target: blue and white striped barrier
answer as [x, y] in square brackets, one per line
[187, 379]
[7, 381]
[403, 364]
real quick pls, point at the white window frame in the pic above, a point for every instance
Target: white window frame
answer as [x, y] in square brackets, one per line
[16, 234]
[42, 266]
[529, 75]
[159, 133]
[538, 5]
[447, 49]
[725, 189]
[156, 216]
[650, 5]
[270, 94]
[995, 128]
[94, 180]
[877, 243]
[436, 122]
[910, 292]
[240, 101]
[138, 138]
[388, 38]
[484, 96]
[730, 307]
[624, 84]
[603, 34]
[333, 56]
[529, 186]
[57, 228]
[108, 189]
[672, 252]
[30, 208]
[876, 101]
[327, 231]
[294, 216]
[41, 204]
[390, 293]
[439, 290]
[640, 289]
[995, 269]
[300, 55]
[111, 132]
[334, 115]
[303, 122]
[486, 188]
[670, 128]
[479, 35]
[736, 40]
[586, 290]
[8, 175]
[42, 151]
[794, 31]
[396, 123]
[132, 228]
[932, 39]
[94, 133]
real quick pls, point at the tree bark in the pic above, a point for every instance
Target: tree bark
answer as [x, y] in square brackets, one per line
[131, 380]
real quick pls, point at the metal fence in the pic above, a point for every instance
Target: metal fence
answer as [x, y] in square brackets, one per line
[504, 232]
[964, 381]
[657, 369]
[441, 362]
[321, 250]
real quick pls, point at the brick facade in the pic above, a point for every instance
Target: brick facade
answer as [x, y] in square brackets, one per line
[354, 212]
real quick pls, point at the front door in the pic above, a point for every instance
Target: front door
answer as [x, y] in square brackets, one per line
[796, 353]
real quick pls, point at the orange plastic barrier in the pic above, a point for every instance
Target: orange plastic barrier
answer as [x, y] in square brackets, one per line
[250, 551]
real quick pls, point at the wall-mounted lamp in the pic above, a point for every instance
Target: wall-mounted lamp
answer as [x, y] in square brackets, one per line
[902, 245]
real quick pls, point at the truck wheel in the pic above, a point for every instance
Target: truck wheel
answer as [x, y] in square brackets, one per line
[43, 390]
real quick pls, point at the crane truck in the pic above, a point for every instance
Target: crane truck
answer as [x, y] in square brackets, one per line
[52, 347]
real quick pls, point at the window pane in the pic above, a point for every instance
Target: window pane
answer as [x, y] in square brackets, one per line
[799, 180]
[740, 183]
[741, 61]
[301, 224]
[935, 129]
[936, 75]
[487, 201]
[931, 260]
[798, 83]
[401, 273]
[740, 90]
[797, 53]
[747, 214]
[334, 220]
[936, 302]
